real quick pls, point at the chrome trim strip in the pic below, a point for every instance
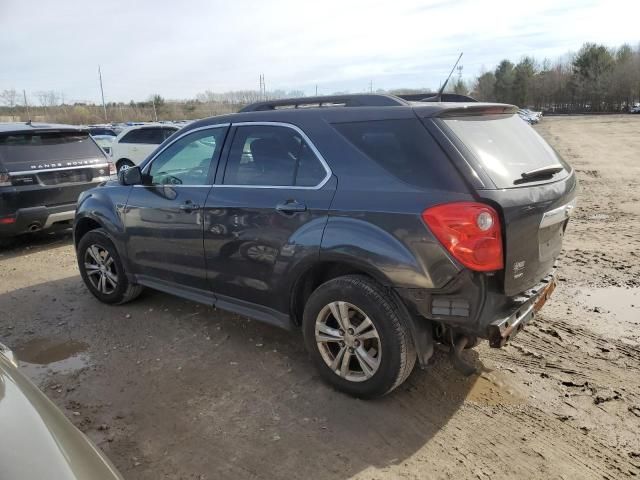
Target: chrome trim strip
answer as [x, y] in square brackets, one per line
[41, 170]
[557, 215]
[59, 217]
[241, 124]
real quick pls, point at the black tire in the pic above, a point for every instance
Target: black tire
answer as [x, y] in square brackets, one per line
[124, 291]
[124, 162]
[397, 351]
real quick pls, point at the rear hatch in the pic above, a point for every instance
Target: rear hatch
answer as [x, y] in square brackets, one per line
[532, 187]
[50, 166]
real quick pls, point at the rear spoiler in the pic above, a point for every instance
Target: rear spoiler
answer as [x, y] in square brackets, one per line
[478, 109]
[433, 97]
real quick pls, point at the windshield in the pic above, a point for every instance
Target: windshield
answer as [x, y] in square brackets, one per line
[506, 147]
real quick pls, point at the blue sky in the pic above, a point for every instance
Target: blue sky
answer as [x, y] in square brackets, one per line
[178, 49]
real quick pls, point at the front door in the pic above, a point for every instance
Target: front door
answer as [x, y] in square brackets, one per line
[164, 217]
[266, 214]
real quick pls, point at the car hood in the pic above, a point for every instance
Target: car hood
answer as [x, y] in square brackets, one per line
[38, 441]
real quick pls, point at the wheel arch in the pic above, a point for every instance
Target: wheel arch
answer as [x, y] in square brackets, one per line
[320, 272]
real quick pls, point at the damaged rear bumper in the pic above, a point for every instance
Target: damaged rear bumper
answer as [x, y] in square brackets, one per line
[500, 331]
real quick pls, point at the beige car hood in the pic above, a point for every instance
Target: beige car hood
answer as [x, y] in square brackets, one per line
[38, 441]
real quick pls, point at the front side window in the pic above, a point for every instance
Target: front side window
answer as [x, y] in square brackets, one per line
[267, 155]
[188, 160]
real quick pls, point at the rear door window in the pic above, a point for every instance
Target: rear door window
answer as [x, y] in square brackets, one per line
[268, 155]
[47, 147]
[505, 146]
[405, 149]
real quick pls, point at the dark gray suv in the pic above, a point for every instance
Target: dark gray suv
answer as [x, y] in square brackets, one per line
[378, 226]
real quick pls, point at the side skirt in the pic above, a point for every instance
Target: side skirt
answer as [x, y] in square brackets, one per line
[247, 309]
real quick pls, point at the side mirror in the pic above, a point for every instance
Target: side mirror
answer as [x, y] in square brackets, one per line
[130, 176]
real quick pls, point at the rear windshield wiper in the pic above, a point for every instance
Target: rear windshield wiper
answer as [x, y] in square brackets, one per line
[538, 173]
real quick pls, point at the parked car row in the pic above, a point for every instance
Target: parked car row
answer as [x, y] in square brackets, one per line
[530, 116]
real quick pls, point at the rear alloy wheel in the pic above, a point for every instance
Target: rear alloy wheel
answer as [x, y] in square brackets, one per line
[102, 271]
[348, 341]
[358, 336]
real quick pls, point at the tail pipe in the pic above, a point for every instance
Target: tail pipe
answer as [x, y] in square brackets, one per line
[457, 361]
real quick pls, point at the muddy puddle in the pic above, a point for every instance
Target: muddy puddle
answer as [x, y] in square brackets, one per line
[619, 306]
[40, 357]
[623, 303]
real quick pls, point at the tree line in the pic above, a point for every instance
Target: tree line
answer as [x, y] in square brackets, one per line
[595, 79]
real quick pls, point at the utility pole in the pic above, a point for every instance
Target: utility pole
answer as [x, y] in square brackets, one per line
[104, 107]
[153, 102]
[316, 90]
[263, 93]
[370, 86]
[26, 105]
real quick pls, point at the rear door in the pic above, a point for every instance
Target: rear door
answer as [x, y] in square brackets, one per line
[266, 213]
[164, 218]
[534, 187]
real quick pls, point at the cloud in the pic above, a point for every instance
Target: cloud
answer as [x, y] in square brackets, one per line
[178, 49]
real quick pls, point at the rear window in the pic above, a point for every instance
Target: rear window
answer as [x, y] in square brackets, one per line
[405, 149]
[506, 147]
[47, 146]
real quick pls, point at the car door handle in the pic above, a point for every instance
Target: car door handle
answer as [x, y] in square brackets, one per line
[291, 206]
[189, 206]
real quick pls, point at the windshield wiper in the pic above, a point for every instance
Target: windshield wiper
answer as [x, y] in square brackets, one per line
[541, 172]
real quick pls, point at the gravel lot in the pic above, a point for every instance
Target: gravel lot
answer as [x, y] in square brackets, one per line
[171, 389]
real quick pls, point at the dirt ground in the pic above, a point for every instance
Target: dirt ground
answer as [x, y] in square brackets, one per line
[171, 389]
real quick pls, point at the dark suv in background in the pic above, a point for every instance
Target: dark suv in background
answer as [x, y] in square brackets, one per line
[43, 170]
[379, 226]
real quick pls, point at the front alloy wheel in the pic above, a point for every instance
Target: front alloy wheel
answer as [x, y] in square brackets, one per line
[101, 269]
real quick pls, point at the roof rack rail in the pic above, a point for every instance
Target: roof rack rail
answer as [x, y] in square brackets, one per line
[356, 100]
[433, 97]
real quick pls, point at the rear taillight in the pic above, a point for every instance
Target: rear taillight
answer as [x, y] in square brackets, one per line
[112, 168]
[7, 220]
[470, 232]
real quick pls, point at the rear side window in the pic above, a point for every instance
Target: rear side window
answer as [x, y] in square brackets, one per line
[47, 147]
[505, 146]
[406, 150]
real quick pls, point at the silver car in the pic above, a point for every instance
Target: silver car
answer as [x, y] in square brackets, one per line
[38, 440]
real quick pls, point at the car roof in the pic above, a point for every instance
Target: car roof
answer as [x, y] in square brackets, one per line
[355, 113]
[33, 126]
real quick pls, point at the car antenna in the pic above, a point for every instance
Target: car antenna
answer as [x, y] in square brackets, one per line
[444, 85]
